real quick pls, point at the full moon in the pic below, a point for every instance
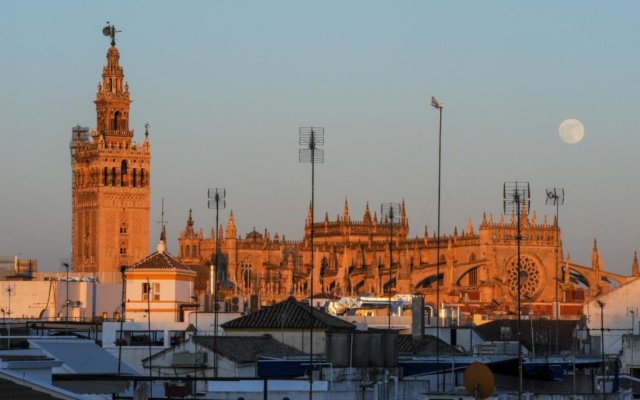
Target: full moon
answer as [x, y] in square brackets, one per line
[571, 131]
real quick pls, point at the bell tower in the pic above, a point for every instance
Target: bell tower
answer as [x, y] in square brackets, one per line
[110, 180]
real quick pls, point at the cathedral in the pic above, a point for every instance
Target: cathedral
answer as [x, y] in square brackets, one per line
[110, 181]
[476, 270]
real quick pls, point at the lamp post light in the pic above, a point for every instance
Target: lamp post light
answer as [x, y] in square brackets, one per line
[601, 304]
[435, 104]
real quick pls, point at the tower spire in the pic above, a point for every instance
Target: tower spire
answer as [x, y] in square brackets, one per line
[112, 100]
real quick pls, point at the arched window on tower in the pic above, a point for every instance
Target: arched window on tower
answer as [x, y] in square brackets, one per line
[134, 177]
[194, 251]
[188, 252]
[116, 119]
[113, 176]
[123, 173]
[245, 271]
[105, 176]
[142, 177]
[323, 270]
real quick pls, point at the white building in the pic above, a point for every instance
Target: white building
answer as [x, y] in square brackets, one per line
[161, 284]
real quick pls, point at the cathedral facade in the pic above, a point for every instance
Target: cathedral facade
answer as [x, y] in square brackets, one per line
[110, 181]
[477, 270]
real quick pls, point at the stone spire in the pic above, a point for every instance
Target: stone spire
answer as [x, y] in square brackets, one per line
[366, 219]
[470, 228]
[309, 216]
[231, 226]
[345, 211]
[403, 214]
[112, 102]
[635, 271]
[595, 258]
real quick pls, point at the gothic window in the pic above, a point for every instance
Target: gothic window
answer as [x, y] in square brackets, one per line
[188, 252]
[245, 271]
[473, 277]
[142, 177]
[113, 176]
[123, 173]
[123, 228]
[123, 251]
[323, 270]
[194, 251]
[135, 177]
[116, 117]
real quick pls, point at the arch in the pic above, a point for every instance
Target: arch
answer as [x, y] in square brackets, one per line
[323, 270]
[123, 173]
[389, 285]
[142, 177]
[472, 273]
[246, 268]
[426, 282]
[134, 177]
[579, 279]
[115, 121]
[113, 176]
[194, 251]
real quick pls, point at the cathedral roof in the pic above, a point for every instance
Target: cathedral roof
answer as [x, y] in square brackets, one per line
[289, 314]
[160, 260]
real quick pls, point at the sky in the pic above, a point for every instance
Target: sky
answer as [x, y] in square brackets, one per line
[225, 85]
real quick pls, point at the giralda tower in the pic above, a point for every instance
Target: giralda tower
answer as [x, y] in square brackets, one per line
[110, 180]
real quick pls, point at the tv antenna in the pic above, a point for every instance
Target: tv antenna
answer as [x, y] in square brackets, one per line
[110, 30]
[217, 199]
[555, 196]
[515, 195]
[309, 138]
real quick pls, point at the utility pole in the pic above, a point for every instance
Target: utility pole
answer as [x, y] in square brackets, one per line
[514, 195]
[217, 199]
[311, 139]
[555, 196]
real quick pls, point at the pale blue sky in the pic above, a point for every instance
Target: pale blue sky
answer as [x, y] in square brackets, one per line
[225, 86]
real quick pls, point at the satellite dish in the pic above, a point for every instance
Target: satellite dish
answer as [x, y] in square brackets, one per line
[479, 380]
[106, 31]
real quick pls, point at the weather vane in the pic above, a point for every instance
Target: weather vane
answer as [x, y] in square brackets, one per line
[110, 30]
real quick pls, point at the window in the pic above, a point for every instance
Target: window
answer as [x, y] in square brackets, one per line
[123, 251]
[113, 176]
[106, 176]
[155, 290]
[135, 177]
[245, 270]
[142, 177]
[123, 172]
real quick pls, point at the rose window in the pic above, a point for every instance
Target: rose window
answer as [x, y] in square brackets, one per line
[531, 277]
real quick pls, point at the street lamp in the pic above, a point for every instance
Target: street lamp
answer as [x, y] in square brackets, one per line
[435, 104]
[601, 304]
